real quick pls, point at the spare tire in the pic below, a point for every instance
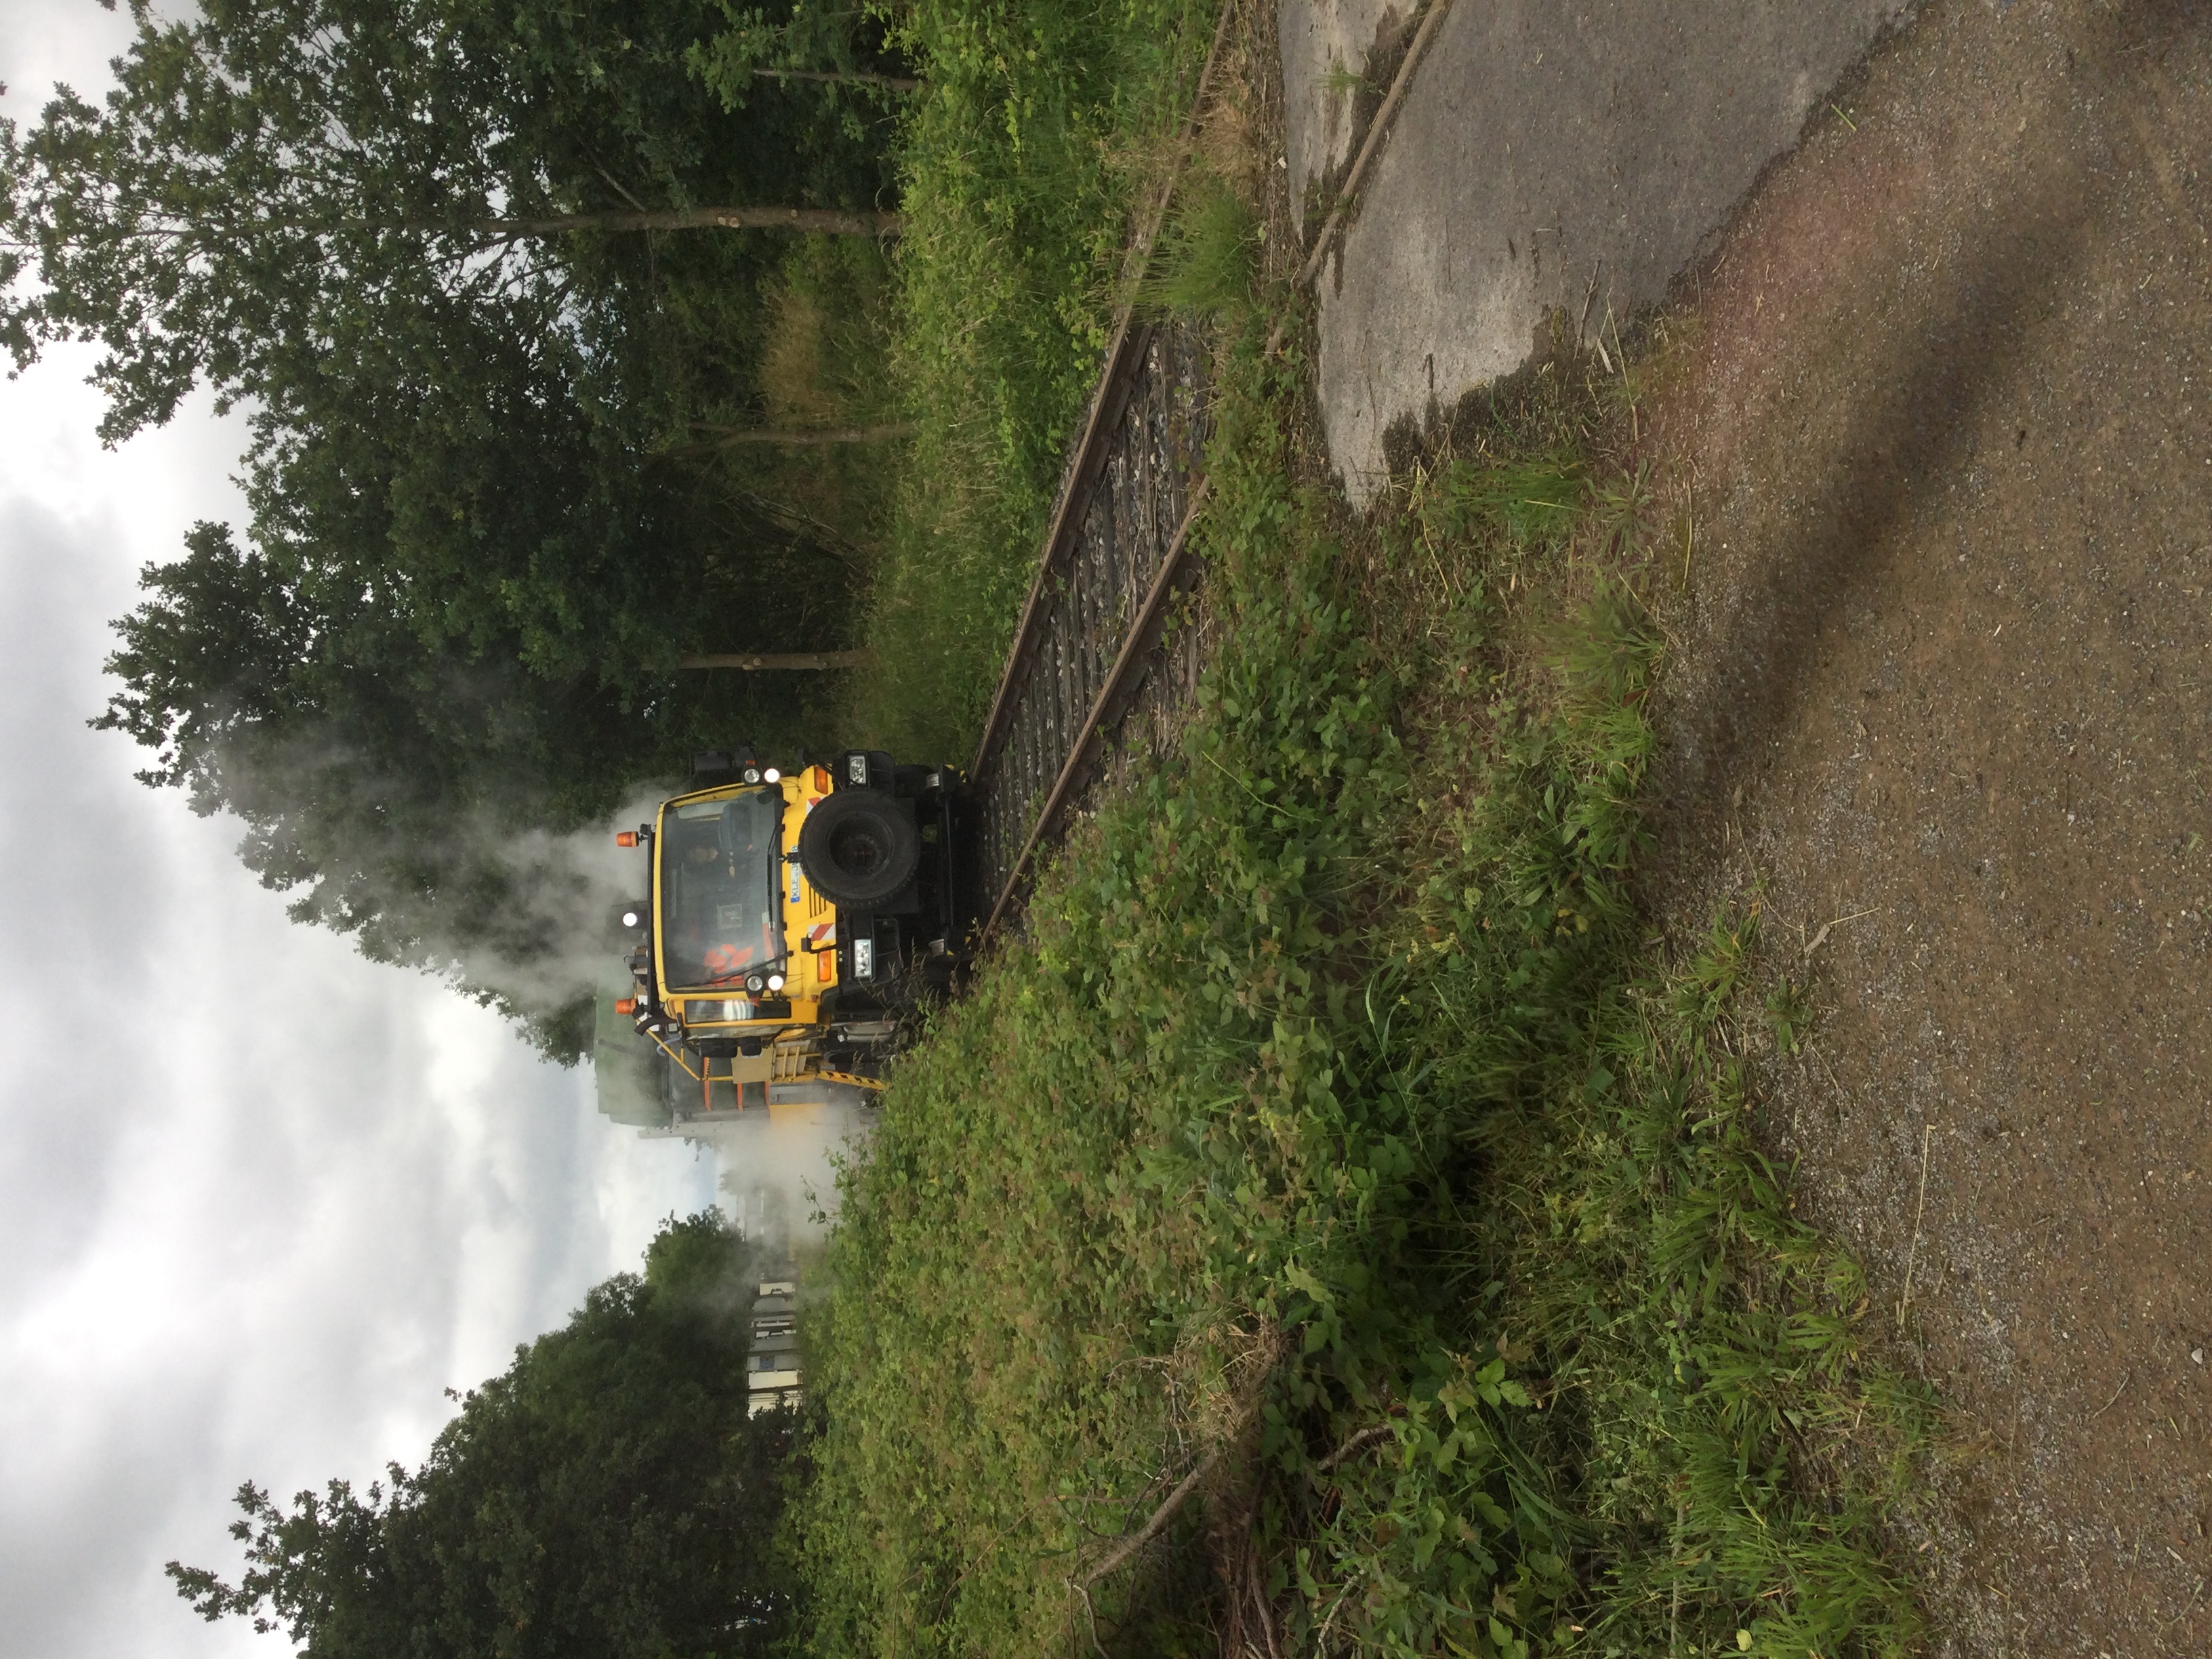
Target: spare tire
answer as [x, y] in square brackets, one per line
[857, 848]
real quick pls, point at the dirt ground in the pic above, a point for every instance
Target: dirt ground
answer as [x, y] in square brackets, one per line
[1940, 699]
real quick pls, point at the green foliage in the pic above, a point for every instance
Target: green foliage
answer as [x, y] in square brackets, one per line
[1021, 160]
[1330, 1115]
[485, 525]
[607, 1494]
[1535, 502]
[275, 182]
[841, 48]
[826, 322]
[1209, 252]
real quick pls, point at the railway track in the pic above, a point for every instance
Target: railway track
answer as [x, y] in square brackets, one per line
[1091, 651]
[1087, 652]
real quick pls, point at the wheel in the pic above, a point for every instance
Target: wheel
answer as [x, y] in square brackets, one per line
[859, 848]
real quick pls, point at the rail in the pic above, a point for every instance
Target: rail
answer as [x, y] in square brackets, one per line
[1087, 650]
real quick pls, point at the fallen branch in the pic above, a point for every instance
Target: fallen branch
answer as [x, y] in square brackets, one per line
[854, 77]
[1153, 1528]
[1918, 1209]
[1365, 1439]
[831, 222]
[736, 437]
[1266, 1354]
[754, 661]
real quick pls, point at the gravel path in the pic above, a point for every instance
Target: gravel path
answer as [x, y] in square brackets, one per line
[1934, 389]
[1942, 695]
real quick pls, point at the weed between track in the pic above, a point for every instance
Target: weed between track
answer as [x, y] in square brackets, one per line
[1334, 1225]
[1208, 246]
[1040, 127]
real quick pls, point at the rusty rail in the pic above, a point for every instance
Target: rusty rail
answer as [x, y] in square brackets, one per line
[1087, 649]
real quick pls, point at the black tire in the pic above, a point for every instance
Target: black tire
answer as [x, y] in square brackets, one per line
[859, 848]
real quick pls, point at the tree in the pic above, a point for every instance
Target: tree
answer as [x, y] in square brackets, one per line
[416, 240]
[840, 46]
[378, 778]
[271, 175]
[607, 1495]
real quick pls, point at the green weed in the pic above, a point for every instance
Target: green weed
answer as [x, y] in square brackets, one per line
[1333, 1131]
[1022, 158]
[1208, 253]
[1535, 502]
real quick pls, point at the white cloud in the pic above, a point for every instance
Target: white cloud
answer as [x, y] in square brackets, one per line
[261, 1201]
[43, 41]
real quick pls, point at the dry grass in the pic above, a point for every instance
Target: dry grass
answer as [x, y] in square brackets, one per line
[794, 379]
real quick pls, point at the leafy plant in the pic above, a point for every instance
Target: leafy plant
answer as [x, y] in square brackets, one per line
[1036, 131]
[608, 1493]
[1333, 1140]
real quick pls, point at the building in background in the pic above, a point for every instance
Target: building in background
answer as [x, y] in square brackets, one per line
[772, 1144]
[772, 1366]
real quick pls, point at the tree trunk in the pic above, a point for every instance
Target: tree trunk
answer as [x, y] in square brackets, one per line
[738, 437]
[831, 222]
[857, 77]
[754, 661]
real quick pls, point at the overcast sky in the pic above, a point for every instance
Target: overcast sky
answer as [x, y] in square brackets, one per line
[261, 1201]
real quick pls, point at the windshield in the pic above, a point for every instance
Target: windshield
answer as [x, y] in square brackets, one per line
[718, 889]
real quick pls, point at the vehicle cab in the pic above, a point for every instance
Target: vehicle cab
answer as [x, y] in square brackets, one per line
[785, 908]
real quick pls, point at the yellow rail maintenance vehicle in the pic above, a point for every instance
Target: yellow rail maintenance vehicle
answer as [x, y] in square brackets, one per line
[793, 918]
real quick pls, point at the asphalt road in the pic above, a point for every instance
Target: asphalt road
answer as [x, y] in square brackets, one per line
[1929, 459]
[1543, 143]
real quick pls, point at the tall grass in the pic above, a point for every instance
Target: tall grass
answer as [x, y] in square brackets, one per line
[1022, 158]
[1332, 1145]
[1209, 248]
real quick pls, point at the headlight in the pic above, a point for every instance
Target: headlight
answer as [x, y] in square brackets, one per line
[864, 959]
[775, 982]
[700, 1012]
[856, 771]
[753, 775]
[771, 775]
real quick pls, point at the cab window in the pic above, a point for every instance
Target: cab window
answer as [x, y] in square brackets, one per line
[718, 889]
